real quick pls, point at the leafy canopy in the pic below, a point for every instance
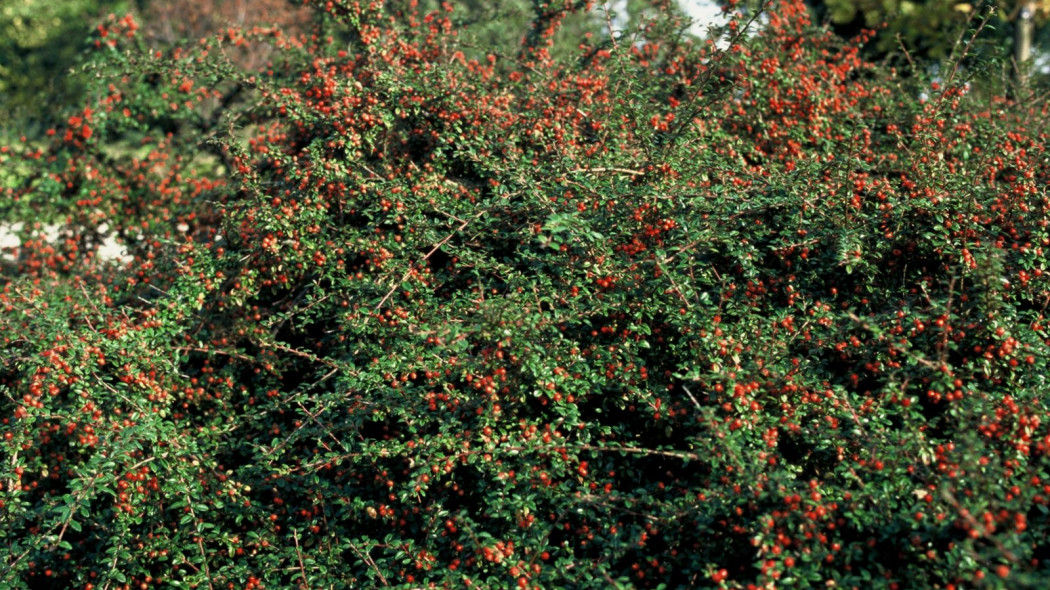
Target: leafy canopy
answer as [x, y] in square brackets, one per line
[595, 312]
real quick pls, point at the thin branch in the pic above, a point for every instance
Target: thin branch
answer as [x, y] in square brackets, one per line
[201, 349]
[382, 453]
[605, 169]
[949, 497]
[907, 55]
[965, 52]
[702, 82]
[299, 554]
[426, 257]
[299, 353]
[677, 288]
[200, 542]
[368, 559]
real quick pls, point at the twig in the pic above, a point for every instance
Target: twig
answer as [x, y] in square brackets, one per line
[677, 289]
[965, 52]
[642, 451]
[327, 430]
[907, 55]
[608, 169]
[368, 559]
[950, 498]
[299, 353]
[112, 567]
[204, 556]
[427, 256]
[609, 25]
[702, 82]
[612, 583]
[299, 554]
[91, 301]
[76, 504]
[196, 530]
[691, 397]
[684, 455]
[683, 250]
[204, 350]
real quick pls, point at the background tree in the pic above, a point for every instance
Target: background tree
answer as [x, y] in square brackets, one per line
[170, 22]
[928, 30]
[39, 43]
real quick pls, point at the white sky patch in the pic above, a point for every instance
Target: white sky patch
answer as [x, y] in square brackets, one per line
[1041, 62]
[617, 15]
[704, 13]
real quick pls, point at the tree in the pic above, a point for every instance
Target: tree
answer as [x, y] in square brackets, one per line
[930, 30]
[584, 313]
[43, 42]
[40, 40]
[168, 23]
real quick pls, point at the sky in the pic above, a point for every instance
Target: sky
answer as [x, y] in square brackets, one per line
[704, 12]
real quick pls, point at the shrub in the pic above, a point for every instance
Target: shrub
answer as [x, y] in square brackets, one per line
[642, 313]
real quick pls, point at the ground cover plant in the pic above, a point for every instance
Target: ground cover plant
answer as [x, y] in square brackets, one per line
[634, 312]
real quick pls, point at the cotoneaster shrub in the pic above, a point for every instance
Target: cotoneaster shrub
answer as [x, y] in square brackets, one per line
[641, 314]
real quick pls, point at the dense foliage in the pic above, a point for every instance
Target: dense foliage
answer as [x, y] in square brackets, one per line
[929, 27]
[42, 42]
[643, 313]
[39, 43]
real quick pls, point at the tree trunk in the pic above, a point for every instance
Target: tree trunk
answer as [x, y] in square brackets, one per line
[1023, 38]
